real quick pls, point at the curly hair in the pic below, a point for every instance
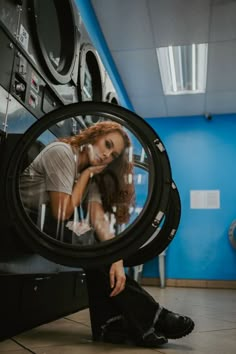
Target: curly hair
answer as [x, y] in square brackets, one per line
[117, 179]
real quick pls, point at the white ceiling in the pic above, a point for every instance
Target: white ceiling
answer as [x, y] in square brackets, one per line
[133, 29]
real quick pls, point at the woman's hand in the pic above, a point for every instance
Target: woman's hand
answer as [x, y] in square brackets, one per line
[117, 278]
[94, 170]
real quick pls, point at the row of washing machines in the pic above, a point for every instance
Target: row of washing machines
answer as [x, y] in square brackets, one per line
[47, 61]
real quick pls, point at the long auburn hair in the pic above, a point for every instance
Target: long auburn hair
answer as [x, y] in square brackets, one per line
[117, 179]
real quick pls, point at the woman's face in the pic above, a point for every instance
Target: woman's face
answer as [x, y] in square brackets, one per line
[106, 148]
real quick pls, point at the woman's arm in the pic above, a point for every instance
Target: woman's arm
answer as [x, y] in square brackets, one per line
[63, 204]
[99, 221]
[102, 227]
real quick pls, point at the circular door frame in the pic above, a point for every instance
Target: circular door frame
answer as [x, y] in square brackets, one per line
[112, 98]
[117, 248]
[70, 48]
[232, 233]
[89, 57]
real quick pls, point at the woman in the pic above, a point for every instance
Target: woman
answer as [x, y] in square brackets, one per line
[70, 163]
[61, 173]
[95, 166]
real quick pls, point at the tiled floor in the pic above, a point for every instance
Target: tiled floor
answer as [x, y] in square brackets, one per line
[214, 313]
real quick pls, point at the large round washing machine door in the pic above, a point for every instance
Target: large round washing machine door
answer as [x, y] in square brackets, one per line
[146, 215]
[56, 37]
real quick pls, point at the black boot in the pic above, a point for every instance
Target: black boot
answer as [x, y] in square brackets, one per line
[152, 340]
[173, 325]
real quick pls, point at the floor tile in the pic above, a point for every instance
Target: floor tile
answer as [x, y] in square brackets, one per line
[20, 351]
[215, 342]
[9, 346]
[213, 311]
[95, 349]
[81, 317]
[60, 332]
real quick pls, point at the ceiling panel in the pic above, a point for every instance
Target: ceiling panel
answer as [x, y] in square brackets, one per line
[221, 66]
[221, 102]
[134, 28]
[125, 23]
[139, 71]
[223, 20]
[179, 22]
[184, 105]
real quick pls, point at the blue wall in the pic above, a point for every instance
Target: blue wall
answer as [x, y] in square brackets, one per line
[202, 155]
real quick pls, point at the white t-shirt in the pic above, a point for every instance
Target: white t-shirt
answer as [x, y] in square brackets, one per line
[54, 169]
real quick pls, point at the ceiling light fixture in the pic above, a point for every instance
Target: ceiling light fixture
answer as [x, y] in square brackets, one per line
[183, 69]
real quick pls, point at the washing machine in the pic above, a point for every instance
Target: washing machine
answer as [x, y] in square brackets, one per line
[92, 73]
[39, 71]
[152, 195]
[91, 70]
[43, 32]
[94, 81]
[43, 70]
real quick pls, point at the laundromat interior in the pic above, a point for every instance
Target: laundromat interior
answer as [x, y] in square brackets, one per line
[165, 70]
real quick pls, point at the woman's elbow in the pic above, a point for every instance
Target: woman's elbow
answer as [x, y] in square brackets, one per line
[62, 207]
[61, 215]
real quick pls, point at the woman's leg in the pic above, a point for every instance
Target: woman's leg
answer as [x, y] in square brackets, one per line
[133, 314]
[127, 316]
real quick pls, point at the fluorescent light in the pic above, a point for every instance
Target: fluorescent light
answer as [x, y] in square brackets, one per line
[172, 68]
[193, 67]
[183, 69]
[181, 83]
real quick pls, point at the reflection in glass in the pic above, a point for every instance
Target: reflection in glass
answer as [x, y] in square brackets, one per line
[87, 88]
[50, 31]
[85, 188]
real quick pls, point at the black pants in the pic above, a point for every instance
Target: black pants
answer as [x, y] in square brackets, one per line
[137, 306]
